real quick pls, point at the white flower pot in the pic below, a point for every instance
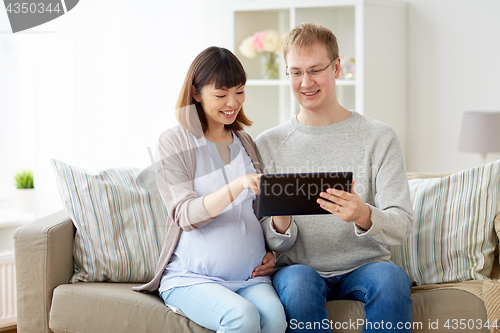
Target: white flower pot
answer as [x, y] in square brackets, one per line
[26, 199]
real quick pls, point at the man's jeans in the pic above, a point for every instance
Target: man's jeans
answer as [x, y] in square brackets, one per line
[383, 286]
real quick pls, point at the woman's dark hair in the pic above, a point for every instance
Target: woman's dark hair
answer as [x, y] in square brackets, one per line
[214, 65]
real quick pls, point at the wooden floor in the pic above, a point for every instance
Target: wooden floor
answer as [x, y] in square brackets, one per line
[9, 331]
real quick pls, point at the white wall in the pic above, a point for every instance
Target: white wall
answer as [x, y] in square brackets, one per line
[454, 52]
[16, 119]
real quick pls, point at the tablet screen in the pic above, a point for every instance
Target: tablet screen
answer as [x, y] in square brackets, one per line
[296, 193]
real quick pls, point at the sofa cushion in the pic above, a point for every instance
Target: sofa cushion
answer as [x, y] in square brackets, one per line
[430, 312]
[453, 238]
[120, 225]
[114, 307]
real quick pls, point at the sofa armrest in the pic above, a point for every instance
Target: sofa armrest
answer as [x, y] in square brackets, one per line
[44, 260]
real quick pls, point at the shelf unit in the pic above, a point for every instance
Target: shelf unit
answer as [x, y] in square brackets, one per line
[372, 31]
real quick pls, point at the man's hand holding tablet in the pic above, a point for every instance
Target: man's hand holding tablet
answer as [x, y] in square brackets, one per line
[347, 206]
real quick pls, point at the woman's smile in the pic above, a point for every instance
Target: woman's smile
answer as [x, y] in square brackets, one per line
[229, 113]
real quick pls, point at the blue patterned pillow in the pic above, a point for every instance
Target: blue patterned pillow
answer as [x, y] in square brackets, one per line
[453, 236]
[120, 225]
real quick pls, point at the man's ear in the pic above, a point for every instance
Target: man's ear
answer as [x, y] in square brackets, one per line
[195, 95]
[337, 67]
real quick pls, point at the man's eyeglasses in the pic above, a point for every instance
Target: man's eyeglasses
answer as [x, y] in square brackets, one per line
[311, 71]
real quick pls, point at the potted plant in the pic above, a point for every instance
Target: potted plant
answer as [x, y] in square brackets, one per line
[25, 190]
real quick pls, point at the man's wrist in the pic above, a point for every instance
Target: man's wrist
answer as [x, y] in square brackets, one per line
[365, 222]
[280, 223]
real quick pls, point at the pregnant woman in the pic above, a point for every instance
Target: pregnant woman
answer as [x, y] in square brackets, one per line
[214, 266]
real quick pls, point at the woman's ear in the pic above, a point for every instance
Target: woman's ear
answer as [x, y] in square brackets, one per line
[195, 95]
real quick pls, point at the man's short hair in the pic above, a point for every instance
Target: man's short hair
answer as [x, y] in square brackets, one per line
[307, 34]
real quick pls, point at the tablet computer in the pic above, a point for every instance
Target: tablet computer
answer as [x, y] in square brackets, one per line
[296, 193]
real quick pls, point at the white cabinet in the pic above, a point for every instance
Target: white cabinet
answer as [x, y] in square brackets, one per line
[371, 31]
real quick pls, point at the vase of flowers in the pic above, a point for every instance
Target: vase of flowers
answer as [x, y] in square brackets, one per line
[268, 45]
[270, 68]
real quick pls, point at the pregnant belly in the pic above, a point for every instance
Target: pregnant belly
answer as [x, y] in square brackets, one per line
[226, 253]
[235, 266]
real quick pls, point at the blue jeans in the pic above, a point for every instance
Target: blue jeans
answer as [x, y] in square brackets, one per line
[256, 308]
[383, 286]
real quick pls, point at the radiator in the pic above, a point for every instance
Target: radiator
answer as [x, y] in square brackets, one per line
[8, 303]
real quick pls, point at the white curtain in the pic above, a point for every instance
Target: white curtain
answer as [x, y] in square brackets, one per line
[101, 83]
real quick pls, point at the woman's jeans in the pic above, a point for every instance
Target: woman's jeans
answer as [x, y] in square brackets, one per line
[383, 286]
[256, 308]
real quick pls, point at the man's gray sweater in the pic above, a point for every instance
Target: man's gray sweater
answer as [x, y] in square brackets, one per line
[368, 148]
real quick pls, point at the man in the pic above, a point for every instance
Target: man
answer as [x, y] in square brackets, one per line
[340, 255]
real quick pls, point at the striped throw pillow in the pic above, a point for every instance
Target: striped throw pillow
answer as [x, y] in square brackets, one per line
[120, 225]
[453, 238]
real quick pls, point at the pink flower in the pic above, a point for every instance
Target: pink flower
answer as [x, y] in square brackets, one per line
[258, 40]
[262, 42]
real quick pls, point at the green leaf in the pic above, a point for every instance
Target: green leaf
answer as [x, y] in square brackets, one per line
[24, 179]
